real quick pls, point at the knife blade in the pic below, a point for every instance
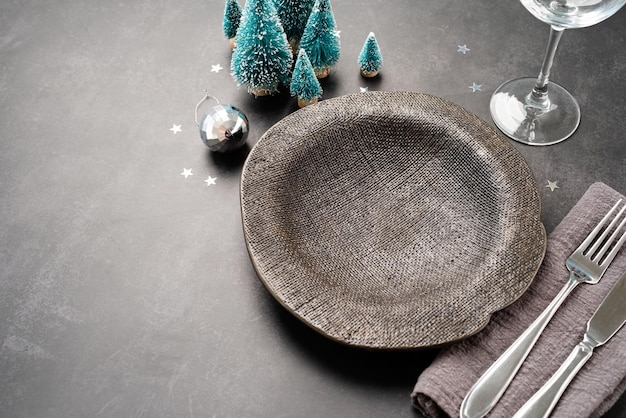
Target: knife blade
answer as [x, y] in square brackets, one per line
[604, 324]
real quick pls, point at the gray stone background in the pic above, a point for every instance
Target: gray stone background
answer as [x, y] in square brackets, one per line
[126, 288]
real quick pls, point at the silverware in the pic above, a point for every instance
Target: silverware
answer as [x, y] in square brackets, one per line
[587, 264]
[604, 324]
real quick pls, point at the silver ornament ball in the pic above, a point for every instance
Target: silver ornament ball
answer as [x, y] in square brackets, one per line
[224, 128]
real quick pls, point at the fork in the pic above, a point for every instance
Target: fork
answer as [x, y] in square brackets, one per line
[587, 264]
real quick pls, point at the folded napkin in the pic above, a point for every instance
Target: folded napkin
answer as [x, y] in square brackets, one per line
[441, 388]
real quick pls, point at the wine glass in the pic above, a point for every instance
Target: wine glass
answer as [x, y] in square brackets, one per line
[522, 108]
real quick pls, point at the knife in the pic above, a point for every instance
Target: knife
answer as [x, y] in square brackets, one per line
[605, 322]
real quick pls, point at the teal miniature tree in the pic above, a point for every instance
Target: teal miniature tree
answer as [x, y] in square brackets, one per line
[232, 17]
[293, 15]
[370, 58]
[304, 83]
[320, 39]
[262, 59]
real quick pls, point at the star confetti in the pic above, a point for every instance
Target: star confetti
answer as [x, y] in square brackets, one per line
[186, 172]
[364, 89]
[463, 48]
[216, 68]
[210, 181]
[475, 87]
[552, 185]
[176, 128]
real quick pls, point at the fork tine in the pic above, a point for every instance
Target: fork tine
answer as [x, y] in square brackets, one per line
[617, 246]
[592, 252]
[585, 244]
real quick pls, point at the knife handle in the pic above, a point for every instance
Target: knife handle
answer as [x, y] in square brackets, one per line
[490, 387]
[546, 398]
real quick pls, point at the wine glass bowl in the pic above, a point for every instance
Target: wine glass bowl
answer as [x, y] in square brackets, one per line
[572, 14]
[535, 111]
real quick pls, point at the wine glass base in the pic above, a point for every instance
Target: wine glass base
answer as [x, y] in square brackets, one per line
[531, 125]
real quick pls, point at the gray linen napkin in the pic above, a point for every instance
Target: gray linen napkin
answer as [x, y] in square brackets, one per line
[441, 388]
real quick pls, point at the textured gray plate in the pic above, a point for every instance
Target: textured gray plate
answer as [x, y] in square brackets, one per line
[391, 220]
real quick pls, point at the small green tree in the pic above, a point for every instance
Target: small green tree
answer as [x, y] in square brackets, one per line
[370, 58]
[320, 39]
[304, 83]
[232, 17]
[294, 14]
[262, 59]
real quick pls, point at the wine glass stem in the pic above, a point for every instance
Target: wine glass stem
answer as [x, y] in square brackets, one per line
[538, 98]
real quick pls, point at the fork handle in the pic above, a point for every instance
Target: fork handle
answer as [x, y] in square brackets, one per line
[543, 402]
[486, 392]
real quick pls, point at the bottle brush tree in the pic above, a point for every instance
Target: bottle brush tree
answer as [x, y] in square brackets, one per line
[293, 15]
[370, 58]
[262, 59]
[320, 39]
[232, 17]
[304, 83]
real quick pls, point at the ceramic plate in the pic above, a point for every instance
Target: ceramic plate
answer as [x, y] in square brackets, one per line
[391, 220]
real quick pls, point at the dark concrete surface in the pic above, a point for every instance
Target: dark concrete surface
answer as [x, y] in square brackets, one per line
[126, 289]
